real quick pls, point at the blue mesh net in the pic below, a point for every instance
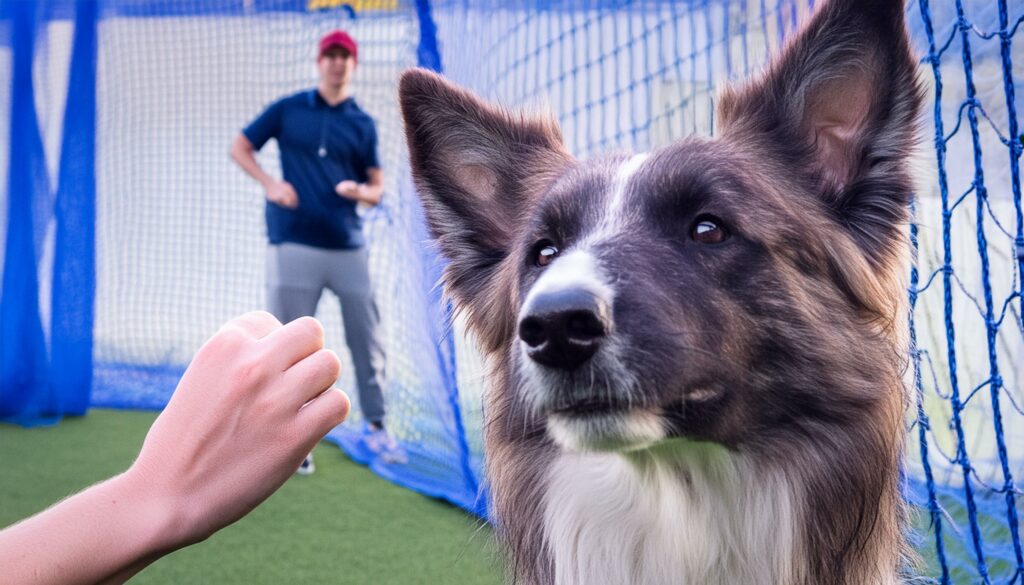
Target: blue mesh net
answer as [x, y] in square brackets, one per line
[128, 236]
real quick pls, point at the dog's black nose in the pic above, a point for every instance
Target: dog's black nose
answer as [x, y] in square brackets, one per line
[563, 329]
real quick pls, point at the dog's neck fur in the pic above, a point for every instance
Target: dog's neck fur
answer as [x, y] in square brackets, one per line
[683, 512]
[686, 513]
[696, 514]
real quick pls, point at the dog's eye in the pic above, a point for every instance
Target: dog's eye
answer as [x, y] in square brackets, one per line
[544, 253]
[708, 230]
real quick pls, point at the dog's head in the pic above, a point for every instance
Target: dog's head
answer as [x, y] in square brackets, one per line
[727, 289]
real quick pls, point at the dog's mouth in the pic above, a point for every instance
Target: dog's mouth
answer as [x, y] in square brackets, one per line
[589, 407]
[608, 405]
[612, 422]
[603, 426]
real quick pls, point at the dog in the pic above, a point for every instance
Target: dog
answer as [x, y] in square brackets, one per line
[694, 355]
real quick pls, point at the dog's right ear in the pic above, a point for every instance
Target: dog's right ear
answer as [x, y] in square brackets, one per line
[477, 169]
[840, 105]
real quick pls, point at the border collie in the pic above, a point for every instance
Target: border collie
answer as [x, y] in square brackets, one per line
[695, 355]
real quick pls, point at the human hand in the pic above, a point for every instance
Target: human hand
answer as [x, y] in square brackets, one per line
[283, 194]
[250, 406]
[348, 190]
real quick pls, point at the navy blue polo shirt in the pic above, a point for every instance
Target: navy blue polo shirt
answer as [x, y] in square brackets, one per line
[321, 145]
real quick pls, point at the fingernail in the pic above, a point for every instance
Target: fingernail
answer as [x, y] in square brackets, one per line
[348, 402]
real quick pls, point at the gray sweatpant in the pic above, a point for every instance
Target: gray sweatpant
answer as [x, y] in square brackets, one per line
[296, 277]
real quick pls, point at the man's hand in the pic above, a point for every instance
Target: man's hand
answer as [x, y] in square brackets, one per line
[368, 193]
[282, 193]
[348, 190]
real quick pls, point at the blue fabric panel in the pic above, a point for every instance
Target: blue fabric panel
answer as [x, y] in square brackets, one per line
[74, 272]
[24, 387]
[438, 312]
[441, 310]
[427, 52]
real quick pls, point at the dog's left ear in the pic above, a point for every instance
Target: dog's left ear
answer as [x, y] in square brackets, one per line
[478, 169]
[840, 103]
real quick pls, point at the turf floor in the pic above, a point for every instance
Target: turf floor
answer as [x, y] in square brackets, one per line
[341, 525]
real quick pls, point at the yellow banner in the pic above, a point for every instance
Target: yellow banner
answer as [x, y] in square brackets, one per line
[357, 5]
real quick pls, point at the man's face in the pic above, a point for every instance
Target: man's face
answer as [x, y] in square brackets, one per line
[336, 66]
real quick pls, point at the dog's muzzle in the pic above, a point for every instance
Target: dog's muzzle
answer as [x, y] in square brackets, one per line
[562, 329]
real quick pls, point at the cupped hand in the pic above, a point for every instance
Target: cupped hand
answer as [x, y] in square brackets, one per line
[254, 401]
[348, 190]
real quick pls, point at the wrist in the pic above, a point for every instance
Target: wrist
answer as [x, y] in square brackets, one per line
[159, 518]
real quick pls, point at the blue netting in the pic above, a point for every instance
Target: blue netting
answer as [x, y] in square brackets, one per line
[129, 236]
[986, 476]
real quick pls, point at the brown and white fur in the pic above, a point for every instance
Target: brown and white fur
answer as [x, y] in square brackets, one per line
[695, 354]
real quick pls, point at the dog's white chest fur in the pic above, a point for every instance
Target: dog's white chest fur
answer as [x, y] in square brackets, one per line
[706, 518]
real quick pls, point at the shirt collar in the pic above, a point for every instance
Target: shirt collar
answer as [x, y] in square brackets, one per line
[317, 101]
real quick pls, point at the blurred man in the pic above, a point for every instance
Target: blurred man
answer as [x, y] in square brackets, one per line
[328, 147]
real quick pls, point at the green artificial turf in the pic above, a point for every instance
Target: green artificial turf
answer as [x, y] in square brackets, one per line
[341, 525]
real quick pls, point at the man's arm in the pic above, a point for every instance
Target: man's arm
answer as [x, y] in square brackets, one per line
[247, 410]
[279, 192]
[369, 192]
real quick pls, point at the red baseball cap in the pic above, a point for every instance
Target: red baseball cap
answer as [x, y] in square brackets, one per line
[338, 38]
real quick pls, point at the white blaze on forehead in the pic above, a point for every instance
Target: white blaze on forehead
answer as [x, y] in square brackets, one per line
[576, 270]
[579, 269]
[625, 172]
[615, 209]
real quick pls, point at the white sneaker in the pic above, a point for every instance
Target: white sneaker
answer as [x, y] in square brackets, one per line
[383, 445]
[307, 466]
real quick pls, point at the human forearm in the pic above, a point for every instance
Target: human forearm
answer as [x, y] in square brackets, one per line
[279, 192]
[244, 155]
[125, 529]
[250, 405]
